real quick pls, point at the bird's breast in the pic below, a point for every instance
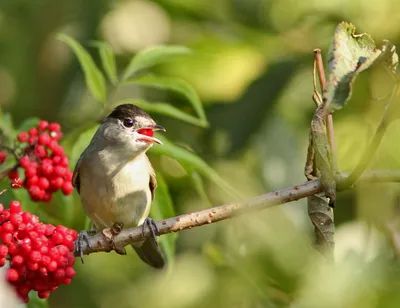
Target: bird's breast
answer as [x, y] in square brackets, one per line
[116, 192]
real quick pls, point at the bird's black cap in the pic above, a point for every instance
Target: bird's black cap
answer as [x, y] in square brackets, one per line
[128, 111]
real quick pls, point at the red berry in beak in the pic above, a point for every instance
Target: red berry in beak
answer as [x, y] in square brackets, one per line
[146, 131]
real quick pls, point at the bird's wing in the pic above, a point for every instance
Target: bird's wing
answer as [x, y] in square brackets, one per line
[75, 177]
[153, 180]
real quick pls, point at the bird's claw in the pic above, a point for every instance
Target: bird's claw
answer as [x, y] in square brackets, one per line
[110, 233]
[83, 237]
[151, 224]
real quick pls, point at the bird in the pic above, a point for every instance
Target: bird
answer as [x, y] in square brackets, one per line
[115, 179]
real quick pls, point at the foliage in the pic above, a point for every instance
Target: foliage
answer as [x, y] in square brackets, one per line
[250, 66]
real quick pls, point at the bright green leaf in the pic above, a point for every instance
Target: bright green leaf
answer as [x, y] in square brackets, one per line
[6, 125]
[173, 84]
[82, 142]
[36, 302]
[107, 60]
[27, 124]
[167, 110]
[95, 81]
[154, 55]
[191, 162]
[351, 54]
[163, 208]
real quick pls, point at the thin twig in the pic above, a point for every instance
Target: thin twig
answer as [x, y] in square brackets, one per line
[187, 221]
[329, 118]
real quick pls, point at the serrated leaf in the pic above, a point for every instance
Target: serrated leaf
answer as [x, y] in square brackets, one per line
[351, 54]
[167, 110]
[191, 162]
[94, 79]
[152, 56]
[107, 57]
[173, 84]
[162, 208]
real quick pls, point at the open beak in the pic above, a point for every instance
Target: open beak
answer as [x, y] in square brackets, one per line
[147, 134]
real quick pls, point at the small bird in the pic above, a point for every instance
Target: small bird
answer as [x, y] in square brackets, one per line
[115, 179]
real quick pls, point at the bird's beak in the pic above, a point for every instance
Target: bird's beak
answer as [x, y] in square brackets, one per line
[147, 134]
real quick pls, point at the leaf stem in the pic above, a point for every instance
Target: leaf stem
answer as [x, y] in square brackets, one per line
[329, 118]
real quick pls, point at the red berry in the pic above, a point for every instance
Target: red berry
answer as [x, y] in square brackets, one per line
[52, 266]
[13, 175]
[30, 172]
[44, 139]
[46, 169]
[33, 132]
[58, 150]
[47, 196]
[16, 219]
[23, 137]
[24, 161]
[56, 183]
[60, 171]
[17, 260]
[146, 131]
[70, 272]
[43, 125]
[43, 183]
[7, 227]
[36, 193]
[15, 207]
[43, 294]
[54, 127]
[40, 151]
[67, 188]
[3, 157]
[17, 183]
[34, 180]
[12, 274]
[3, 251]
[35, 256]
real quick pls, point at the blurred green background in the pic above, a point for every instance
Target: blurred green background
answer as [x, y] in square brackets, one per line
[252, 68]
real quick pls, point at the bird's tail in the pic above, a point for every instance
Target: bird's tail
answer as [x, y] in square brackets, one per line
[150, 252]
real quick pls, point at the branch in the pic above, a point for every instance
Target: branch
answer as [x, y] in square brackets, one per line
[329, 118]
[196, 219]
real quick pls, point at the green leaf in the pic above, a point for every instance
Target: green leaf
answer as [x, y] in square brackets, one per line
[199, 186]
[6, 125]
[27, 124]
[94, 78]
[152, 56]
[351, 54]
[36, 302]
[107, 60]
[167, 110]
[163, 208]
[173, 84]
[191, 162]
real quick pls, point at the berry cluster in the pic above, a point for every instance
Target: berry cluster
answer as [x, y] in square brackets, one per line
[44, 161]
[38, 256]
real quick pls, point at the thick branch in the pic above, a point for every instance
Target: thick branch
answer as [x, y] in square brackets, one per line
[187, 221]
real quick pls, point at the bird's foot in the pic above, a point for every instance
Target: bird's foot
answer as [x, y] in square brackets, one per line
[83, 237]
[110, 233]
[151, 224]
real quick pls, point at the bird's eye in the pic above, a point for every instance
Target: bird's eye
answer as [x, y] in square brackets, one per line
[128, 122]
